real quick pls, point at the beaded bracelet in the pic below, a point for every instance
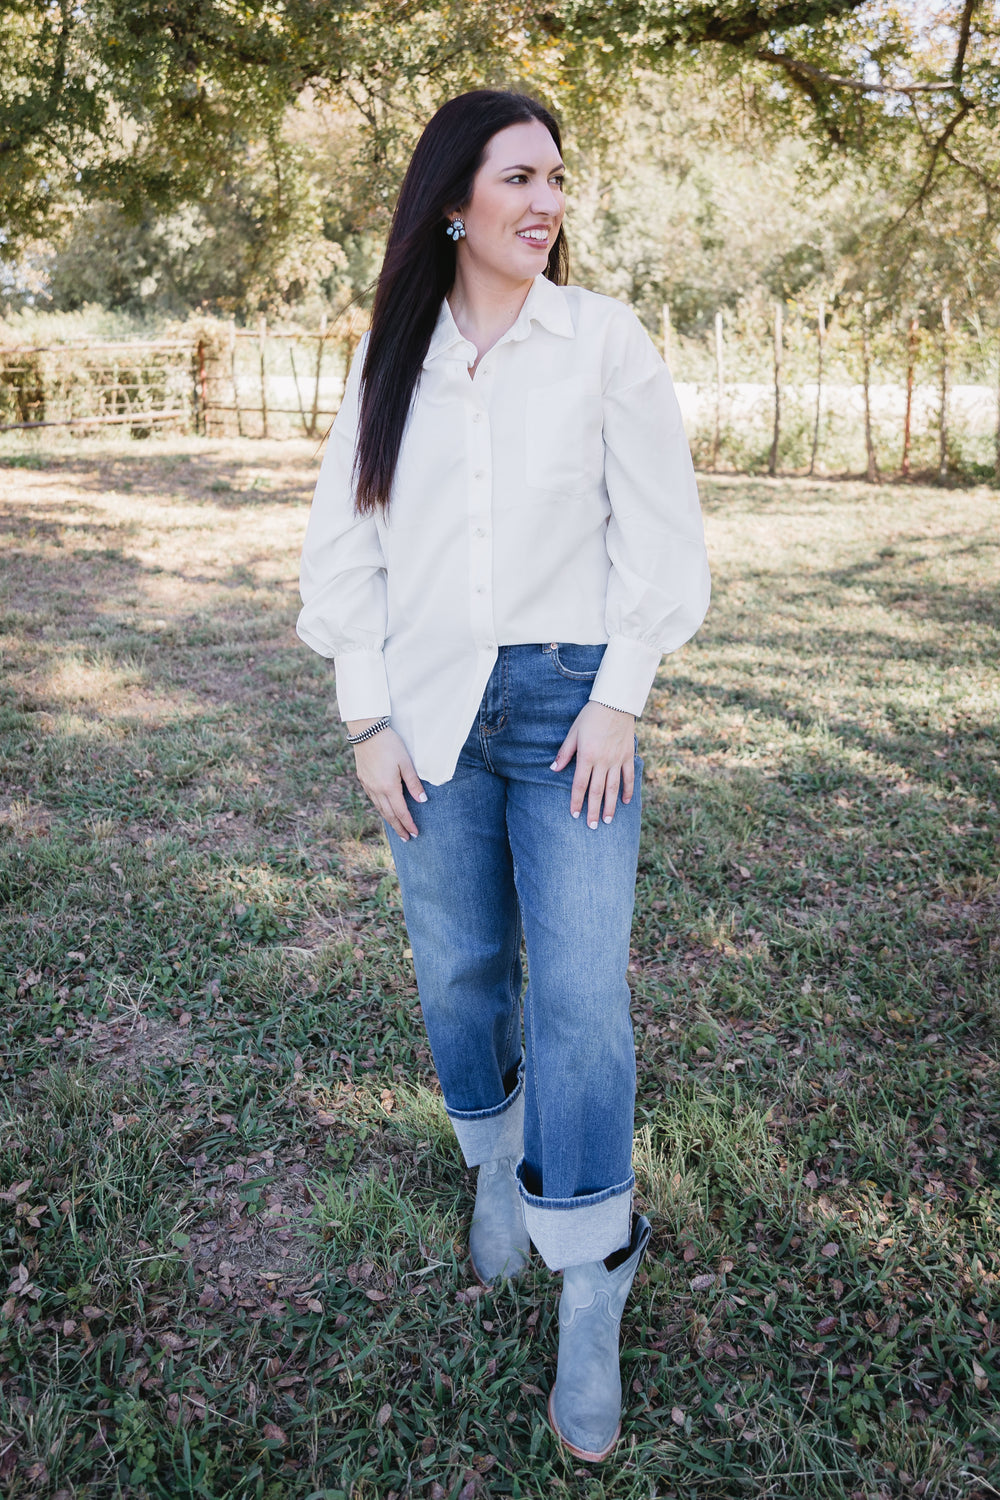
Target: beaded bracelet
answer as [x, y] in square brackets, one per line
[369, 733]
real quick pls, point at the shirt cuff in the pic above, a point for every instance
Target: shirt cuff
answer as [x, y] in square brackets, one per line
[362, 687]
[626, 675]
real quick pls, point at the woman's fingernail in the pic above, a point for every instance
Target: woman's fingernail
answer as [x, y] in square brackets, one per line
[593, 824]
[576, 814]
[422, 797]
[607, 817]
[554, 766]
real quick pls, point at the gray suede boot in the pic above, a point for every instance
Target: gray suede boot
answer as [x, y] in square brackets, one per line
[498, 1241]
[585, 1406]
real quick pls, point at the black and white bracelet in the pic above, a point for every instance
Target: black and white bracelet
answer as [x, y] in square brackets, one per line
[369, 733]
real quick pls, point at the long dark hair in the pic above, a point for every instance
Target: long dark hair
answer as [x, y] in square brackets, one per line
[419, 269]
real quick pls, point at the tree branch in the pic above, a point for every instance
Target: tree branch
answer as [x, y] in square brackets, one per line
[936, 148]
[958, 67]
[803, 70]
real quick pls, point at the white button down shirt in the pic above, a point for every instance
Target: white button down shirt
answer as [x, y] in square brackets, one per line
[549, 498]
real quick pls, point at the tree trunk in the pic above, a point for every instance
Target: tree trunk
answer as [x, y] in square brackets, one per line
[911, 365]
[997, 463]
[820, 332]
[871, 470]
[945, 350]
[718, 390]
[772, 466]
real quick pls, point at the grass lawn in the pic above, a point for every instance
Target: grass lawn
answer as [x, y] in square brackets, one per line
[231, 1212]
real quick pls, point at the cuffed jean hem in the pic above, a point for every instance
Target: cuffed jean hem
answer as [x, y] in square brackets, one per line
[492, 1134]
[577, 1231]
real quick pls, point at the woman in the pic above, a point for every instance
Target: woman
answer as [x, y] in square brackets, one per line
[505, 537]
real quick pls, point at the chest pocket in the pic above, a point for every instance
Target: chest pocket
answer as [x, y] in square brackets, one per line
[564, 441]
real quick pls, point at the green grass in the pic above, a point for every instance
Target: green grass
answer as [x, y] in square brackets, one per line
[232, 1215]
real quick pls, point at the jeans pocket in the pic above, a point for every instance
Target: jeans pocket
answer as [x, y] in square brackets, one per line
[578, 663]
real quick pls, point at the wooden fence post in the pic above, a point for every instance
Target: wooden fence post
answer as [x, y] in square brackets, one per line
[262, 334]
[195, 391]
[719, 376]
[911, 366]
[233, 375]
[298, 393]
[871, 468]
[203, 387]
[666, 332]
[945, 342]
[314, 415]
[772, 466]
[820, 332]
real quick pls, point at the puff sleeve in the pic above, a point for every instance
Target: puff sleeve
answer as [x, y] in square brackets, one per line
[342, 577]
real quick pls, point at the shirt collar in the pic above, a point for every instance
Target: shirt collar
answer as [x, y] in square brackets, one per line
[543, 304]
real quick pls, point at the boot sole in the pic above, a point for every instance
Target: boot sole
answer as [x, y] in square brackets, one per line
[590, 1458]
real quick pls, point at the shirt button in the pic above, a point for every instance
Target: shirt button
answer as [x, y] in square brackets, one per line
[479, 531]
[477, 416]
[479, 474]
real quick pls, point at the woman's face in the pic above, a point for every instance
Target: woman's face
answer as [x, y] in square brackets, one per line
[516, 208]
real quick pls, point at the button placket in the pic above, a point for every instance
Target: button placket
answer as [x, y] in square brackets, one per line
[479, 502]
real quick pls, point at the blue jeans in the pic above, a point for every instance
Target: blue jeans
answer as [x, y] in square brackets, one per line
[498, 852]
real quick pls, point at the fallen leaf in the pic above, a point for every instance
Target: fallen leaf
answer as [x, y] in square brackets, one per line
[384, 1413]
[811, 1180]
[702, 1283]
[830, 1250]
[980, 1376]
[372, 1295]
[690, 1252]
[825, 1326]
[274, 1434]
[677, 1416]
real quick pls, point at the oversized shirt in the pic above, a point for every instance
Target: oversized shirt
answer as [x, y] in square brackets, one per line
[549, 498]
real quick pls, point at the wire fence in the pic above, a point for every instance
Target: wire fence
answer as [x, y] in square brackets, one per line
[792, 389]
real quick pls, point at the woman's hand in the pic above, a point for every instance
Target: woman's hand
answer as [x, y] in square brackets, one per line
[384, 768]
[603, 741]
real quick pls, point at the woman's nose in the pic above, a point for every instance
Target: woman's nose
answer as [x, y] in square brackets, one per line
[546, 200]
